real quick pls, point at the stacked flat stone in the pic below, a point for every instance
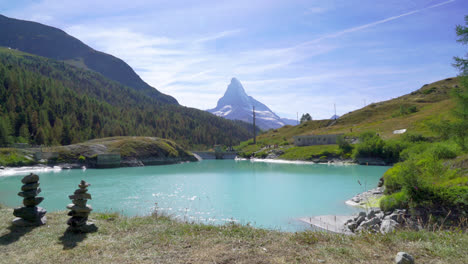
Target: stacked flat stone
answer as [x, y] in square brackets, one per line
[30, 214]
[80, 210]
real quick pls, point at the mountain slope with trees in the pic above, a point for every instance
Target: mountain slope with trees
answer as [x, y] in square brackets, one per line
[44, 101]
[50, 42]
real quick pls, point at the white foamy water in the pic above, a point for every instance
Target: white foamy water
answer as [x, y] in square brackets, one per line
[26, 170]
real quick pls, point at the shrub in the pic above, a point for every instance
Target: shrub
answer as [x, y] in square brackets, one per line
[430, 90]
[412, 109]
[391, 150]
[261, 154]
[344, 145]
[413, 150]
[444, 150]
[405, 110]
[427, 183]
[394, 201]
[371, 145]
[246, 155]
[392, 180]
[412, 137]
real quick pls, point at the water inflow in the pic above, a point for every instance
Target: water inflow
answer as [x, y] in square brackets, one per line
[269, 195]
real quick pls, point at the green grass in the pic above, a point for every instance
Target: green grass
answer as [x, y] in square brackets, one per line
[159, 239]
[11, 157]
[311, 152]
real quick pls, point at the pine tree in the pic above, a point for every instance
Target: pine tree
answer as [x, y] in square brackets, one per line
[305, 117]
[5, 132]
[459, 127]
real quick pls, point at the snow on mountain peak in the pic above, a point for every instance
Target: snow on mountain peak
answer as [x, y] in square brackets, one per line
[237, 105]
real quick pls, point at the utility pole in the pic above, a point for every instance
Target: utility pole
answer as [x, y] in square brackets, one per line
[297, 117]
[334, 105]
[254, 129]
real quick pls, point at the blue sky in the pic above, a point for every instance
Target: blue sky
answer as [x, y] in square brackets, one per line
[294, 56]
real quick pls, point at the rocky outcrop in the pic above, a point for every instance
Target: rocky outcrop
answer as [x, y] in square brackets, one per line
[362, 199]
[384, 222]
[121, 152]
[404, 258]
[30, 214]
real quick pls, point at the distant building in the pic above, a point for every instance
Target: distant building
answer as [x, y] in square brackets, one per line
[311, 140]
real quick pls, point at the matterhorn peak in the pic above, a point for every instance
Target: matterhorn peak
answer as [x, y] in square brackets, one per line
[237, 105]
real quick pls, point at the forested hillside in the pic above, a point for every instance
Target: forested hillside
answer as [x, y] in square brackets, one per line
[43, 101]
[54, 43]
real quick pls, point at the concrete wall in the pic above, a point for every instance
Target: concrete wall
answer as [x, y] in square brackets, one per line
[108, 161]
[215, 155]
[311, 140]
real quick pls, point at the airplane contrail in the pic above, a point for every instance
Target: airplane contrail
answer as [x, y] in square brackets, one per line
[354, 29]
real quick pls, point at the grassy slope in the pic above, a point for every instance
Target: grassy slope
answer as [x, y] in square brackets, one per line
[161, 240]
[11, 157]
[432, 102]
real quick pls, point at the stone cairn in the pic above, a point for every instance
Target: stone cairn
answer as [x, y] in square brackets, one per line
[79, 213]
[30, 214]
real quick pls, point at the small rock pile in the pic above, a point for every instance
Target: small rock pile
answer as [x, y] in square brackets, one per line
[30, 214]
[377, 221]
[79, 213]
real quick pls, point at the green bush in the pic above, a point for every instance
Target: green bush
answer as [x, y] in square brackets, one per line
[413, 138]
[246, 155]
[426, 182]
[392, 180]
[261, 155]
[347, 156]
[394, 201]
[344, 145]
[429, 91]
[444, 150]
[371, 145]
[413, 150]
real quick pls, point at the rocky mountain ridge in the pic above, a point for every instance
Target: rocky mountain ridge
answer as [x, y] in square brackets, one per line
[236, 104]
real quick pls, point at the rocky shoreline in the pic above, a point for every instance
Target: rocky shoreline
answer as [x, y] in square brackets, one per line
[367, 199]
[328, 160]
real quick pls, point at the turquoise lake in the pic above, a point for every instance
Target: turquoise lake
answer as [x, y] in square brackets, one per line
[268, 195]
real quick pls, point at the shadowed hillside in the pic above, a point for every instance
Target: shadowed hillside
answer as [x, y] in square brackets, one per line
[54, 43]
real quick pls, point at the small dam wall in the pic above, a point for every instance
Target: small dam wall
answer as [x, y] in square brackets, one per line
[108, 161]
[210, 155]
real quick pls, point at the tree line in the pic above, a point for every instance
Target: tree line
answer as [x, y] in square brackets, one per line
[47, 102]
